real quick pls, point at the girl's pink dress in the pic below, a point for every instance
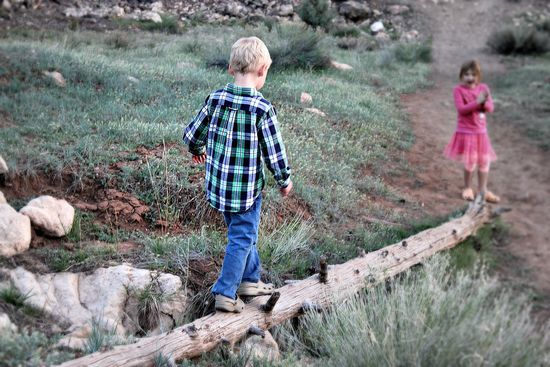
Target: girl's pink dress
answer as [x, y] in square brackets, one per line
[470, 143]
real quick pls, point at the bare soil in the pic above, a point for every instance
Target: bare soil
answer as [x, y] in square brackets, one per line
[520, 176]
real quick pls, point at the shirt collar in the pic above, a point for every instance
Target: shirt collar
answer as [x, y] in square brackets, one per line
[241, 91]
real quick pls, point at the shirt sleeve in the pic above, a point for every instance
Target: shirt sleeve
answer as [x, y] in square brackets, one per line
[196, 132]
[273, 149]
[488, 106]
[462, 107]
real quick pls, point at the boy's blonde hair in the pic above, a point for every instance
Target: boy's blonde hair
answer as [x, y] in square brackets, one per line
[247, 54]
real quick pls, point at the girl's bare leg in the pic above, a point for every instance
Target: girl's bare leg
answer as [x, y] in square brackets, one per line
[482, 178]
[468, 179]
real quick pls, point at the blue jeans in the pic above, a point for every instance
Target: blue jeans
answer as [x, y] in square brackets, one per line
[241, 262]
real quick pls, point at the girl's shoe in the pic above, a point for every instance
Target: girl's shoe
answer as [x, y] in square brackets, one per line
[491, 198]
[227, 304]
[251, 289]
[468, 194]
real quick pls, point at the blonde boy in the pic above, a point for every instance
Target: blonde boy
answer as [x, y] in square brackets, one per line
[234, 130]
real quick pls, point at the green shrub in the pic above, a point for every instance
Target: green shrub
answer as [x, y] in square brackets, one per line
[345, 31]
[519, 40]
[316, 13]
[413, 52]
[118, 40]
[298, 49]
[12, 296]
[169, 25]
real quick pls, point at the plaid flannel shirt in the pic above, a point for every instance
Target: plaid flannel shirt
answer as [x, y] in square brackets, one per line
[238, 126]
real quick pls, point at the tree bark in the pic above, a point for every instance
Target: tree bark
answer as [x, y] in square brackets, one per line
[343, 281]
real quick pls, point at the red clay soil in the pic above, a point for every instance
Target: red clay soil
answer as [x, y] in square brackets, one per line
[520, 176]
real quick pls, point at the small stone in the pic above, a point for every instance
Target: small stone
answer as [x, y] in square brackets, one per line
[354, 10]
[377, 27]
[398, 9]
[265, 348]
[316, 111]
[152, 16]
[305, 98]
[57, 78]
[3, 166]
[382, 37]
[6, 5]
[286, 10]
[117, 11]
[52, 216]
[133, 79]
[410, 36]
[157, 7]
[340, 66]
[77, 12]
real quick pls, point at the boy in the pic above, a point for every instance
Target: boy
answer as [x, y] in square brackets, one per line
[239, 127]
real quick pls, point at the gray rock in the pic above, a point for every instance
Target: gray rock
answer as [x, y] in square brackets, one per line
[117, 11]
[6, 5]
[286, 10]
[57, 78]
[377, 27]
[354, 10]
[398, 9]
[15, 231]
[77, 12]
[52, 216]
[151, 15]
[3, 166]
[265, 348]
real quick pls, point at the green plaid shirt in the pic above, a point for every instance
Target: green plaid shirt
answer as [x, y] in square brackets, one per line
[239, 127]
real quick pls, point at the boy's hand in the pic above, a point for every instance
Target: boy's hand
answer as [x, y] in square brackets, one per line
[482, 97]
[199, 159]
[285, 191]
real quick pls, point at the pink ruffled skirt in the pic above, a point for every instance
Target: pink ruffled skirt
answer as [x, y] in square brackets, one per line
[472, 150]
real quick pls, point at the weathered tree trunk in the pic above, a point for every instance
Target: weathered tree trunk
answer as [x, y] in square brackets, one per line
[342, 281]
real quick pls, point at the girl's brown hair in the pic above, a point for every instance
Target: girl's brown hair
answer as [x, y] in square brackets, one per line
[471, 65]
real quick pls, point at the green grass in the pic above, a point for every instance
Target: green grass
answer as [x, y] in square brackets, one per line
[32, 349]
[428, 318]
[522, 97]
[103, 115]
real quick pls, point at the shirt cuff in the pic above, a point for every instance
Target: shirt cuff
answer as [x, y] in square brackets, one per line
[283, 183]
[196, 151]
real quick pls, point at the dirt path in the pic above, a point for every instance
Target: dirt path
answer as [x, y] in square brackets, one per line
[460, 30]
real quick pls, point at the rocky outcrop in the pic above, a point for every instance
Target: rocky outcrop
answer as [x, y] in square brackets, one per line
[54, 217]
[15, 231]
[6, 324]
[116, 298]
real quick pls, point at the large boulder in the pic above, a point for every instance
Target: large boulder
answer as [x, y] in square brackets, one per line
[354, 10]
[54, 217]
[114, 297]
[15, 231]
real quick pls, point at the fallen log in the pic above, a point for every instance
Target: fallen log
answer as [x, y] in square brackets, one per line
[341, 281]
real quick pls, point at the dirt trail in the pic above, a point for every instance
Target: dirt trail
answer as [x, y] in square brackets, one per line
[520, 176]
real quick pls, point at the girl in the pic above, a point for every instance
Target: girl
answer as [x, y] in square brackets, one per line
[470, 143]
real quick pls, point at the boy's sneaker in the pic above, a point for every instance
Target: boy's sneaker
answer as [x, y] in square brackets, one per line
[250, 289]
[227, 304]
